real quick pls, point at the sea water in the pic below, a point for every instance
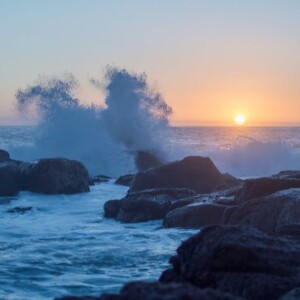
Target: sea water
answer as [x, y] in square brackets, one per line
[64, 245]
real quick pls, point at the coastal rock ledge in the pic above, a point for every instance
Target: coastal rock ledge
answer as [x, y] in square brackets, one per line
[46, 176]
[224, 262]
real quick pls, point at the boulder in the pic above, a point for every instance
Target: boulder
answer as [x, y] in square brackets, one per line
[145, 160]
[145, 205]
[270, 212]
[55, 176]
[258, 187]
[125, 180]
[194, 172]
[195, 216]
[98, 179]
[238, 260]
[9, 179]
[4, 156]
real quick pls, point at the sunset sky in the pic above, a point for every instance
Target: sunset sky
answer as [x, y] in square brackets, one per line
[211, 60]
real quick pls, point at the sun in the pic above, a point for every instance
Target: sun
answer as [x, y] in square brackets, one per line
[240, 119]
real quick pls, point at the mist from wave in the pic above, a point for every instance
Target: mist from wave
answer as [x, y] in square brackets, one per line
[106, 138]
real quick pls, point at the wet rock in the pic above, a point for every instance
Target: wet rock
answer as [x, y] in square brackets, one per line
[194, 172]
[290, 229]
[258, 187]
[125, 180]
[112, 208]
[9, 179]
[195, 216]
[19, 210]
[145, 205]
[238, 260]
[292, 295]
[4, 156]
[98, 179]
[269, 212]
[55, 176]
[145, 160]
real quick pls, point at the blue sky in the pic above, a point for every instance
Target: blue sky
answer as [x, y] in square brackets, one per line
[230, 54]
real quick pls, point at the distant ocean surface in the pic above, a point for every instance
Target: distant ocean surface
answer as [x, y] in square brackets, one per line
[64, 246]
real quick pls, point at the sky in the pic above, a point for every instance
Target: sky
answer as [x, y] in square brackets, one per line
[210, 59]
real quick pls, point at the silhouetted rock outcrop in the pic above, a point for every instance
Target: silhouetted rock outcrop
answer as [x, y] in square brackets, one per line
[125, 180]
[46, 176]
[145, 160]
[158, 291]
[238, 260]
[194, 172]
[145, 205]
[4, 156]
[195, 216]
[270, 212]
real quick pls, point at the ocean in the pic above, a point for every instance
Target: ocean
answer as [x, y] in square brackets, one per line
[65, 246]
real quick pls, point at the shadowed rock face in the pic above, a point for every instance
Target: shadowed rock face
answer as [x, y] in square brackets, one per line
[9, 179]
[145, 160]
[270, 212]
[238, 260]
[158, 291]
[196, 173]
[47, 176]
[57, 176]
[195, 216]
[145, 205]
[4, 156]
[125, 180]
[258, 187]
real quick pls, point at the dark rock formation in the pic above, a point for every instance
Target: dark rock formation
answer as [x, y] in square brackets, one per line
[19, 210]
[270, 212]
[145, 160]
[258, 187]
[158, 291]
[47, 176]
[4, 156]
[9, 179]
[98, 179]
[56, 176]
[238, 260]
[125, 180]
[145, 205]
[195, 216]
[196, 173]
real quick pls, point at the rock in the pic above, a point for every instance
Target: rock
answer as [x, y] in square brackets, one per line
[258, 187]
[194, 172]
[158, 291]
[195, 216]
[145, 160]
[125, 180]
[98, 179]
[55, 176]
[145, 205]
[172, 291]
[292, 295]
[270, 212]
[290, 229]
[4, 156]
[9, 179]
[19, 209]
[112, 208]
[238, 260]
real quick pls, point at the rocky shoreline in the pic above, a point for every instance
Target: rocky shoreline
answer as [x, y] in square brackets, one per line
[249, 243]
